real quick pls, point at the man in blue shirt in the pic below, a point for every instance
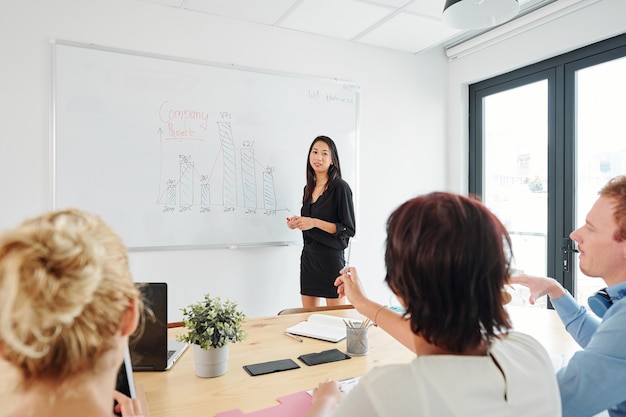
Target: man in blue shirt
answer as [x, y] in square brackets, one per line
[595, 378]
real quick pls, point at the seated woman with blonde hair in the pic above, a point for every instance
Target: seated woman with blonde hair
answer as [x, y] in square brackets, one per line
[68, 305]
[447, 260]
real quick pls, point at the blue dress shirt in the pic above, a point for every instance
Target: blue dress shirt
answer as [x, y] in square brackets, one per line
[595, 377]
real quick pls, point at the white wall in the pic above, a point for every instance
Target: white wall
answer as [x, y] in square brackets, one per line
[402, 130]
[596, 21]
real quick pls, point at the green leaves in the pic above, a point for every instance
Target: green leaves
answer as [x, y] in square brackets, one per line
[212, 323]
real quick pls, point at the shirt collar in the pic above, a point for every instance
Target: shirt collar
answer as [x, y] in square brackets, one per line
[617, 291]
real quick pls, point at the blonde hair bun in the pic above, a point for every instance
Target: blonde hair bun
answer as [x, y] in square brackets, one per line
[64, 285]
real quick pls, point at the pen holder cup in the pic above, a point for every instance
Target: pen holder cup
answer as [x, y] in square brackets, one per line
[356, 341]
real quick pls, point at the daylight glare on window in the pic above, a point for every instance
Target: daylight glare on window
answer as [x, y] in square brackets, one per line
[600, 142]
[515, 170]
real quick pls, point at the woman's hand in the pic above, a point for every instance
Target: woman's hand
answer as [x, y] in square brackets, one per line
[127, 406]
[326, 397]
[393, 323]
[302, 223]
[349, 285]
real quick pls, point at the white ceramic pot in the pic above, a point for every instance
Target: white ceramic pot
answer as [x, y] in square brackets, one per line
[212, 362]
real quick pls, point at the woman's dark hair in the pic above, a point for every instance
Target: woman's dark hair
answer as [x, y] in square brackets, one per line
[334, 171]
[448, 258]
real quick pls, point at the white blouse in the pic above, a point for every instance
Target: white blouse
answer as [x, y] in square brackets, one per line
[516, 379]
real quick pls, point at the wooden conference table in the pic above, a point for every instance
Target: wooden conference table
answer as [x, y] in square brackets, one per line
[178, 392]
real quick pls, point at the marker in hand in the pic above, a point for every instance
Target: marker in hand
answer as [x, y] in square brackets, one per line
[345, 268]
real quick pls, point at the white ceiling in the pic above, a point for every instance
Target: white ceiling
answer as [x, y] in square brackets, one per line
[407, 25]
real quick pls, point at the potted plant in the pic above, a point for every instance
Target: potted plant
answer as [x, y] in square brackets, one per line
[212, 324]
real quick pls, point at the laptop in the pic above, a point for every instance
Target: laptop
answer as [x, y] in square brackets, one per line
[151, 350]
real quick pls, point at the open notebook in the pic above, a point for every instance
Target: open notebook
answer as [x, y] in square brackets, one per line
[322, 326]
[152, 350]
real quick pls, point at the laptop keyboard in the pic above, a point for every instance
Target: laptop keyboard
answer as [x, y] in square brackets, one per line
[170, 353]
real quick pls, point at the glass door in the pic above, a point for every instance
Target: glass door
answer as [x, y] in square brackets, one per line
[600, 141]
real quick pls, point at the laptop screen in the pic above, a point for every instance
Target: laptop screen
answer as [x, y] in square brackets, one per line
[148, 348]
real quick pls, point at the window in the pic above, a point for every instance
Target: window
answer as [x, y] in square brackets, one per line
[543, 140]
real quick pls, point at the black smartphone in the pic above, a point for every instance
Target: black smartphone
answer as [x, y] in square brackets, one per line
[269, 367]
[326, 356]
[125, 380]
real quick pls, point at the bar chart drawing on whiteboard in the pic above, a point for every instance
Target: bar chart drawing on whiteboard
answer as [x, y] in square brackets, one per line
[215, 174]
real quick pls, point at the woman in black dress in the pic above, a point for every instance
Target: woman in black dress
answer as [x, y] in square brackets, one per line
[327, 224]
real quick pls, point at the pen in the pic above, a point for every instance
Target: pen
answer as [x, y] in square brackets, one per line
[345, 268]
[294, 337]
[511, 287]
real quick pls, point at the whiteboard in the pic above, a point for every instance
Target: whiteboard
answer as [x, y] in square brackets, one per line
[179, 153]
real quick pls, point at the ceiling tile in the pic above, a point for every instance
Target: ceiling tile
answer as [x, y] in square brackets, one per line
[174, 3]
[342, 19]
[432, 8]
[406, 25]
[266, 11]
[395, 4]
[409, 32]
